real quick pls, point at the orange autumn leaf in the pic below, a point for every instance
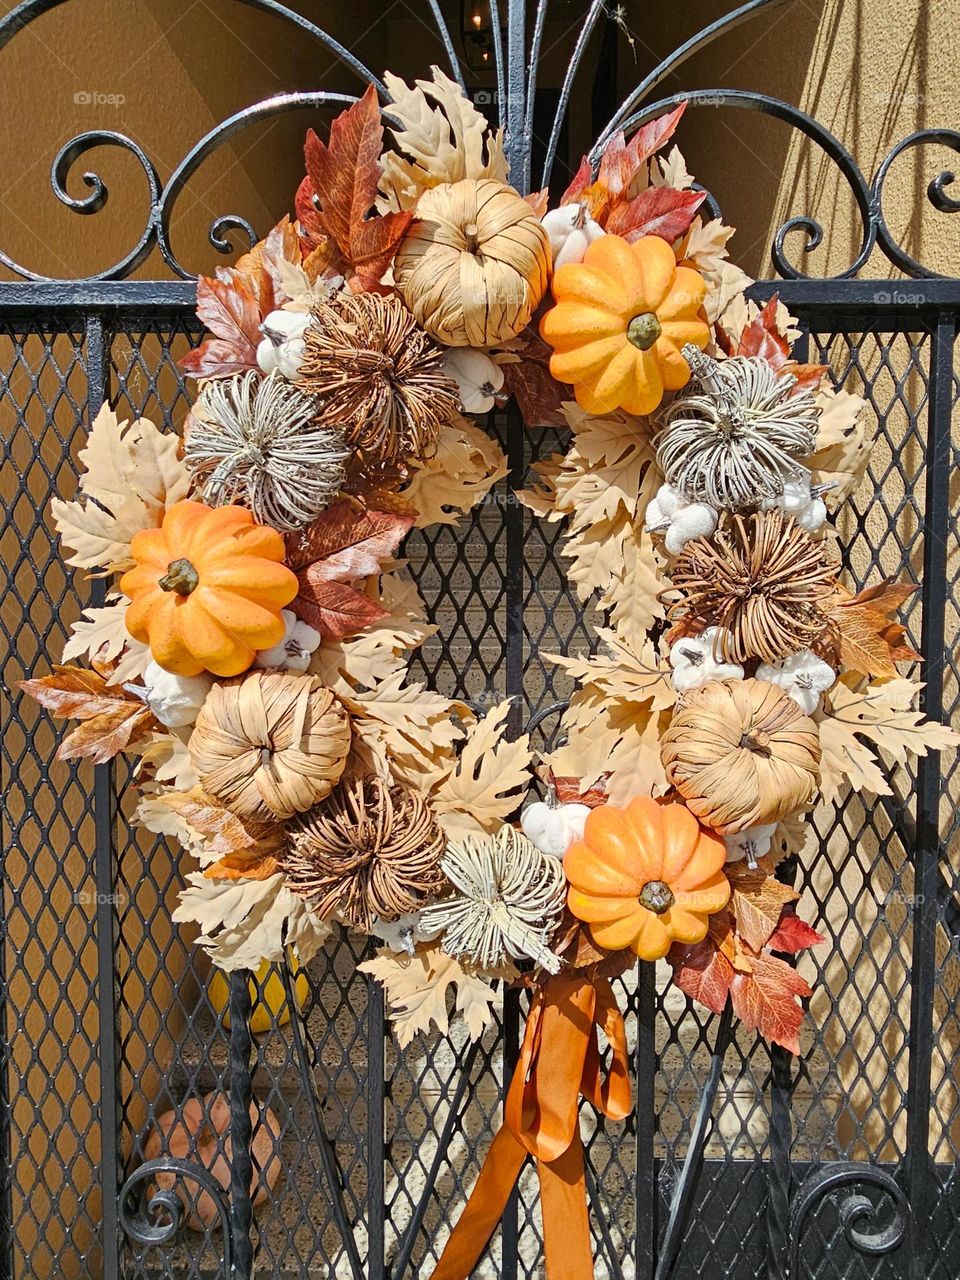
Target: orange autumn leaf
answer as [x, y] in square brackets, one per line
[235, 867]
[766, 999]
[757, 900]
[225, 834]
[336, 197]
[111, 718]
[868, 641]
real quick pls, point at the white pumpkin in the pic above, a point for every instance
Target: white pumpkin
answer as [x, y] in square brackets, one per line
[693, 663]
[294, 651]
[803, 676]
[402, 934]
[174, 700]
[571, 231]
[552, 826]
[750, 844]
[802, 502]
[678, 520]
[282, 344]
[478, 378]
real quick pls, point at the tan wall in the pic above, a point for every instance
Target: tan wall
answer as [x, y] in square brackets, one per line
[871, 71]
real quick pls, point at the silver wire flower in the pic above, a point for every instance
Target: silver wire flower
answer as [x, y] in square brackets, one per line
[506, 901]
[734, 440]
[255, 441]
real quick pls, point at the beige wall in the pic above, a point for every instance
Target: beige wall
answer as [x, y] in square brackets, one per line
[870, 70]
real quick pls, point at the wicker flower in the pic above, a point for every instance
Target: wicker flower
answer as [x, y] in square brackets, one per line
[371, 851]
[271, 744]
[256, 442]
[507, 900]
[760, 581]
[733, 442]
[377, 375]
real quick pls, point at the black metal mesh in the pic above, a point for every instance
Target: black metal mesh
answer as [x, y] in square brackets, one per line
[498, 612]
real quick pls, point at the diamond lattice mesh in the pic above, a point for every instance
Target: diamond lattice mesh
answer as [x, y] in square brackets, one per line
[494, 585]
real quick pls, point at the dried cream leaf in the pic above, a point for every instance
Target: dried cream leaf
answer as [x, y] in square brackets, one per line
[460, 473]
[634, 674]
[844, 442]
[488, 781]
[416, 989]
[442, 137]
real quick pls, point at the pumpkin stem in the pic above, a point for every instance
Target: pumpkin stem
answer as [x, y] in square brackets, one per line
[657, 897]
[550, 799]
[756, 740]
[644, 330]
[471, 233]
[580, 218]
[180, 577]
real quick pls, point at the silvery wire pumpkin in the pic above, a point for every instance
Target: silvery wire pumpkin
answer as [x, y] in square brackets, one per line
[742, 753]
[475, 264]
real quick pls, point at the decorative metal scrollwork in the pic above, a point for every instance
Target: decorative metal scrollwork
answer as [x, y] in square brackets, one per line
[153, 1220]
[859, 1215]
[516, 61]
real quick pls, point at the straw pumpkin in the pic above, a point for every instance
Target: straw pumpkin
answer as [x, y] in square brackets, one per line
[475, 264]
[207, 589]
[646, 876]
[271, 744]
[742, 754]
[622, 317]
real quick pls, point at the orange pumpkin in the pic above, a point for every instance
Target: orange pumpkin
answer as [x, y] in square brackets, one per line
[622, 317]
[207, 589]
[646, 876]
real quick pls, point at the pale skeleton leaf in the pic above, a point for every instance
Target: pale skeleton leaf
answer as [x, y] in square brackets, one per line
[443, 138]
[461, 471]
[244, 922]
[131, 473]
[102, 633]
[416, 988]
[882, 712]
[706, 250]
[487, 781]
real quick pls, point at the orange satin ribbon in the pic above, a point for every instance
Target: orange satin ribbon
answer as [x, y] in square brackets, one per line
[559, 1063]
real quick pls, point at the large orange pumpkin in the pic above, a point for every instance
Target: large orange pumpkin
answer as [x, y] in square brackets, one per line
[622, 317]
[646, 876]
[207, 589]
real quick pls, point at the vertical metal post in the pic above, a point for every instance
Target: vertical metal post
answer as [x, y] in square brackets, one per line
[376, 1145]
[241, 1125]
[926, 854]
[105, 875]
[645, 1188]
[516, 142]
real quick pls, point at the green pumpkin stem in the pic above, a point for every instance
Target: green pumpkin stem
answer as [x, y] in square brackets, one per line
[644, 330]
[180, 577]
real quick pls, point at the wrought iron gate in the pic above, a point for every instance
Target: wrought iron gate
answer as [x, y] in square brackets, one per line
[739, 1160]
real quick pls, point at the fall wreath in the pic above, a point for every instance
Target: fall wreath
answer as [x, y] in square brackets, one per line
[253, 650]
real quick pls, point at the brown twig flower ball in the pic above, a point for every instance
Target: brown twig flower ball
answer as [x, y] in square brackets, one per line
[760, 581]
[370, 851]
[377, 376]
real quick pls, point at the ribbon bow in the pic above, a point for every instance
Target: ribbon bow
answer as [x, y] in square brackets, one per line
[559, 1063]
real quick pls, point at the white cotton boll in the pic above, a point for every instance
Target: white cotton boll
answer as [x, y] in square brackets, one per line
[750, 844]
[803, 676]
[478, 378]
[294, 651]
[174, 700]
[668, 500]
[282, 344]
[694, 521]
[693, 663]
[571, 231]
[813, 516]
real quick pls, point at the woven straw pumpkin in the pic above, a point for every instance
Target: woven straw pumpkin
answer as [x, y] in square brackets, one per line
[270, 745]
[475, 264]
[742, 754]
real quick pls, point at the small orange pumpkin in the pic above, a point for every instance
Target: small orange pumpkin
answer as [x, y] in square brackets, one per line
[646, 876]
[622, 317]
[207, 589]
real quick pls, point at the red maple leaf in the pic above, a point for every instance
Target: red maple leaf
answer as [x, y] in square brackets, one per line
[703, 972]
[762, 337]
[793, 934]
[339, 191]
[538, 394]
[341, 546]
[658, 211]
[231, 311]
[766, 999]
